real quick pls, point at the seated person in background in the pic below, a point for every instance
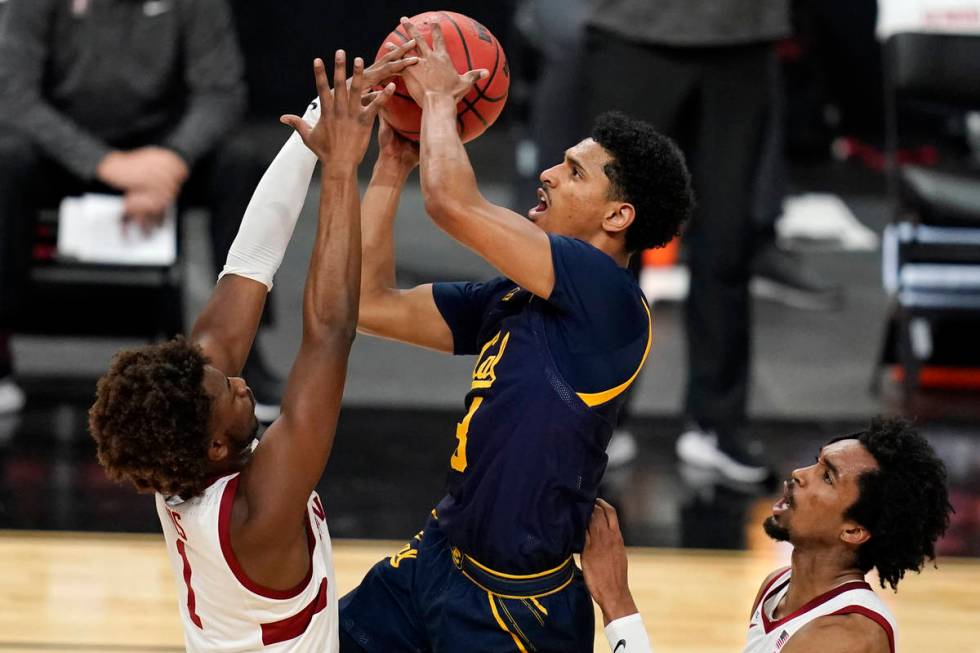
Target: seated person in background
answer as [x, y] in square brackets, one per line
[136, 98]
[875, 499]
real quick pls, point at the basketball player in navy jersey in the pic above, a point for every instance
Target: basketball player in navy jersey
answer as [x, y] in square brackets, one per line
[875, 499]
[557, 338]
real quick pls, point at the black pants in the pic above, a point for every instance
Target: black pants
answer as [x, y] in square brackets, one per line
[713, 102]
[222, 182]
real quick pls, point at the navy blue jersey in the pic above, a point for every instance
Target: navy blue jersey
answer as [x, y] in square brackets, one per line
[546, 386]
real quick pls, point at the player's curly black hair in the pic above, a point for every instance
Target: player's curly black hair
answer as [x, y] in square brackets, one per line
[150, 418]
[649, 172]
[904, 503]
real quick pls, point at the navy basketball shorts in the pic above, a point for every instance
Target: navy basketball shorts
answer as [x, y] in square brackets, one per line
[430, 597]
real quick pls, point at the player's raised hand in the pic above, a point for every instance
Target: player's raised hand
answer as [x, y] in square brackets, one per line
[341, 135]
[434, 72]
[395, 149]
[391, 63]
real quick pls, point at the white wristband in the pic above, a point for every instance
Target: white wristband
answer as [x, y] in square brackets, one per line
[628, 635]
[271, 216]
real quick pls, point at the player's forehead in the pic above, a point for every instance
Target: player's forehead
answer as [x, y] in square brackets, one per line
[214, 381]
[589, 154]
[849, 457]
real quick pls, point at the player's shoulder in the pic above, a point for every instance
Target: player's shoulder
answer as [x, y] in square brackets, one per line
[569, 247]
[852, 632]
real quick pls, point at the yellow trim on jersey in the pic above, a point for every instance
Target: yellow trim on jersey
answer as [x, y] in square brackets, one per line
[503, 626]
[540, 607]
[515, 596]
[595, 398]
[500, 574]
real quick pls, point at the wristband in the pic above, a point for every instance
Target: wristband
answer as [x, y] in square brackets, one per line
[628, 635]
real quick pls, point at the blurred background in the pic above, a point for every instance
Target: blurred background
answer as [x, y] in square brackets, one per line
[859, 185]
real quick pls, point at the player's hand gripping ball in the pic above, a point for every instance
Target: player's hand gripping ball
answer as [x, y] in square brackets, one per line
[470, 45]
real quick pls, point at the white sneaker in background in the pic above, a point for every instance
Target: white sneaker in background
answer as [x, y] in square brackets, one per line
[621, 449]
[700, 449]
[12, 398]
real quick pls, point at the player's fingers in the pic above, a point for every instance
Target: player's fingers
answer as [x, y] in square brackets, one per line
[612, 517]
[379, 101]
[396, 52]
[322, 85]
[340, 81]
[473, 76]
[395, 67]
[356, 84]
[367, 98]
[413, 31]
[438, 42]
[298, 124]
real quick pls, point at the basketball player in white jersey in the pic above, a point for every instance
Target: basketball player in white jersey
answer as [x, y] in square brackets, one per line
[245, 531]
[872, 499]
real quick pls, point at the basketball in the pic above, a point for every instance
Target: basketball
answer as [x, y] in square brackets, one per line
[470, 45]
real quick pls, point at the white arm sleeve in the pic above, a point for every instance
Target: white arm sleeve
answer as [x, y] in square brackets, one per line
[268, 223]
[628, 635]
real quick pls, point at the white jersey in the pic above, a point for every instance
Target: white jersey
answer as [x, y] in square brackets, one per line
[768, 635]
[225, 611]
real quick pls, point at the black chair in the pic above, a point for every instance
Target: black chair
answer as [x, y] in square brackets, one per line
[931, 251]
[67, 297]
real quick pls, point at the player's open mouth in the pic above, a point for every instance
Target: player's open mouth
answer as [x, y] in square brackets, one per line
[541, 207]
[785, 502]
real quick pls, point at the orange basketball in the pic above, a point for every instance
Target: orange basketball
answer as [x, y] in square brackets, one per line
[470, 45]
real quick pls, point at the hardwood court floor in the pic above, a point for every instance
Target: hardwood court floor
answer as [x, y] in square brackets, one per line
[115, 593]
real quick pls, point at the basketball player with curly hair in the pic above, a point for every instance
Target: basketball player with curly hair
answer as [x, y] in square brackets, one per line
[875, 499]
[245, 531]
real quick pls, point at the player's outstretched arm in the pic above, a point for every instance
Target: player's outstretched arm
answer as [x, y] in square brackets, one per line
[509, 242]
[406, 315]
[604, 566]
[288, 462]
[226, 327]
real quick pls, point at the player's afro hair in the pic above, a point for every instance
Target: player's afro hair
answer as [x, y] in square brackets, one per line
[904, 503]
[150, 418]
[649, 172]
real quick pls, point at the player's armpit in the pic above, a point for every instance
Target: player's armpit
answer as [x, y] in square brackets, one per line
[846, 633]
[409, 316]
[515, 246]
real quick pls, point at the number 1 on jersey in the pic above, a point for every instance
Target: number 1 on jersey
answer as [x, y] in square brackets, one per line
[458, 461]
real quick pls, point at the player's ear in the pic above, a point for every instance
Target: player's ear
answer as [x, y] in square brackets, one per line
[853, 534]
[619, 218]
[218, 448]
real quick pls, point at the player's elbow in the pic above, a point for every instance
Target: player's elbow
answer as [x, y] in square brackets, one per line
[443, 207]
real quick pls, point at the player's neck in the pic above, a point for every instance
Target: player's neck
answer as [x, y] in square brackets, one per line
[815, 572]
[612, 247]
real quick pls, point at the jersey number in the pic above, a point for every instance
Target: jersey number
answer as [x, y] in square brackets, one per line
[191, 601]
[458, 461]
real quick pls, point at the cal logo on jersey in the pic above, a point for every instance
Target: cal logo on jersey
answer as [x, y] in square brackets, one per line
[484, 372]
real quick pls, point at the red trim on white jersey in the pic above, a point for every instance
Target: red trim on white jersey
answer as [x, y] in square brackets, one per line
[224, 535]
[809, 605]
[873, 616]
[296, 625]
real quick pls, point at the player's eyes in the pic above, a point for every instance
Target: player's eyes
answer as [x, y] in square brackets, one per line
[826, 477]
